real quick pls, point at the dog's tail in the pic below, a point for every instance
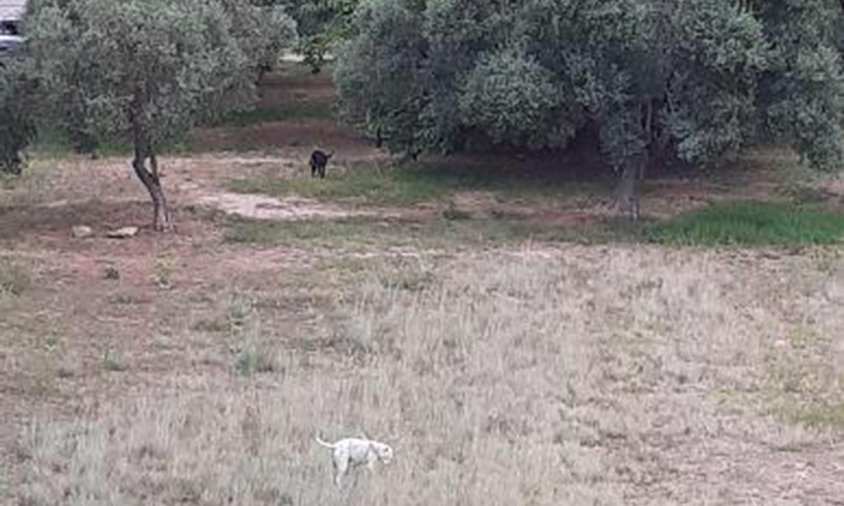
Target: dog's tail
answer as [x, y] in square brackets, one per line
[323, 443]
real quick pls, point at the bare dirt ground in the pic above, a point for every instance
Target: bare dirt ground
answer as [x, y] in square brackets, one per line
[188, 369]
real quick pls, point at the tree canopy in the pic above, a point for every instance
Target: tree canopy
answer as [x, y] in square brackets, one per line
[17, 102]
[145, 71]
[322, 25]
[659, 81]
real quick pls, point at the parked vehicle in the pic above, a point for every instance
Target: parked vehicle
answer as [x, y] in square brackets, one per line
[10, 37]
[9, 43]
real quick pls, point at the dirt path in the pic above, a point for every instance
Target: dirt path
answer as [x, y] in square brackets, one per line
[261, 207]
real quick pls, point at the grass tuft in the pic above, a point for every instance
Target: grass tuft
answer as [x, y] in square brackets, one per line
[14, 279]
[162, 273]
[271, 232]
[751, 223]
[254, 361]
[113, 361]
[802, 382]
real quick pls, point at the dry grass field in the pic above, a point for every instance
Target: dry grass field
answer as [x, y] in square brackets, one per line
[509, 342]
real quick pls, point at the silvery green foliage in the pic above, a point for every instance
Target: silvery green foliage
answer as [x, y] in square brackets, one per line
[692, 80]
[803, 94]
[321, 24]
[512, 99]
[264, 31]
[17, 104]
[720, 52]
[146, 70]
[379, 74]
[458, 33]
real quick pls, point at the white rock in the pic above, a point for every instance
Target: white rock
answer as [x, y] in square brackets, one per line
[81, 232]
[123, 233]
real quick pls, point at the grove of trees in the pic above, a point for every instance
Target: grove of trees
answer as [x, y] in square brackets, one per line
[146, 71]
[323, 25]
[17, 124]
[658, 81]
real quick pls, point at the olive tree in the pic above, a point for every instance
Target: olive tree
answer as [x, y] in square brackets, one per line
[803, 93]
[146, 71]
[263, 31]
[381, 75]
[322, 25]
[660, 82]
[17, 105]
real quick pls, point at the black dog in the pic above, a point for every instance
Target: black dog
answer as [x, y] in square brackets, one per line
[319, 160]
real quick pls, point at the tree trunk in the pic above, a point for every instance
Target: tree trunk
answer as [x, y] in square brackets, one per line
[152, 182]
[628, 191]
[150, 178]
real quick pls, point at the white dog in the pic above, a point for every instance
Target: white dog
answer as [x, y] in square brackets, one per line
[353, 452]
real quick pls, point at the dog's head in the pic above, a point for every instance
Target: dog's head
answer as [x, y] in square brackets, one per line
[384, 452]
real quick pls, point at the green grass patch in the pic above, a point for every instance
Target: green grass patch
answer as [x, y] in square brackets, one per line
[52, 143]
[360, 186]
[273, 232]
[437, 233]
[408, 186]
[751, 223]
[287, 113]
